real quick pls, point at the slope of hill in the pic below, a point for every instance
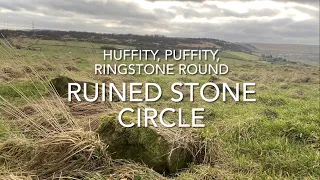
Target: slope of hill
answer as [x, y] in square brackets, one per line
[43, 136]
[307, 54]
[138, 41]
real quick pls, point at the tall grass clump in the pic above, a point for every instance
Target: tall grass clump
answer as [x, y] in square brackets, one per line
[50, 143]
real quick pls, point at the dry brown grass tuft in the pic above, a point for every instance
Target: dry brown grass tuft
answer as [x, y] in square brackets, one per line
[129, 170]
[82, 109]
[202, 150]
[16, 151]
[11, 72]
[69, 153]
[73, 153]
[17, 177]
[47, 141]
[8, 73]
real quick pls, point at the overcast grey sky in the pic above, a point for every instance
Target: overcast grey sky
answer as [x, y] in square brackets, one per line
[276, 21]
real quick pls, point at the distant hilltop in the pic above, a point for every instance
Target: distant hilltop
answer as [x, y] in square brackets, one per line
[307, 54]
[137, 41]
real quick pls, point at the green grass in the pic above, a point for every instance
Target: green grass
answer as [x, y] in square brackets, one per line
[245, 55]
[31, 90]
[3, 129]
[284, 144]
[275, 137]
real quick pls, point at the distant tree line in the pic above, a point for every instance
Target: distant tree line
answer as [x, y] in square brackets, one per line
[269, 58]
[138, 41]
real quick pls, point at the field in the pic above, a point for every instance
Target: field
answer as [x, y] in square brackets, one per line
[306, 54]
[44, 136]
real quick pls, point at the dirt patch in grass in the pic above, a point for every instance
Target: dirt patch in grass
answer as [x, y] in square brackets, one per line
[8, 73]
[79, 109]
[270, 114]
[270, 101]
[72, 68]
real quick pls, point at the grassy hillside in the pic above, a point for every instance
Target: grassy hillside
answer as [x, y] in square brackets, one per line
[306, 54]
[42, 135]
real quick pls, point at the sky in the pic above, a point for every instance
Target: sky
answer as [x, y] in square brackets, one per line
[265, 21]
